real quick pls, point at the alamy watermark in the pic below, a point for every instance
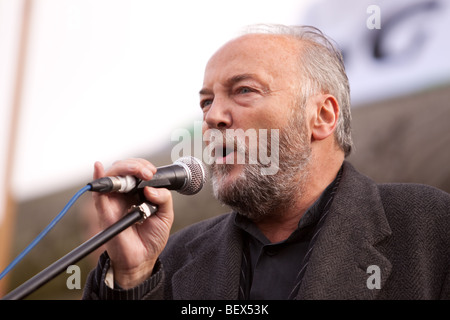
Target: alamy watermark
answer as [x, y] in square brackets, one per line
[374, 20]
[229, 146]
[74, 280]
[374, 280]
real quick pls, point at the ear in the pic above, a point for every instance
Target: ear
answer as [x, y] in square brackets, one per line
[326, 116]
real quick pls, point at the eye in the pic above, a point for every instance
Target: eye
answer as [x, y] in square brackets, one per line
[244, 90]
[205, 103]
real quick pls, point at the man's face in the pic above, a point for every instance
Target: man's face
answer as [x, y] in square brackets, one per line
[253, 83]
[250, 83]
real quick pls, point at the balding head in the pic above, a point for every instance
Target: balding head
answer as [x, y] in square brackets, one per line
[321, 69]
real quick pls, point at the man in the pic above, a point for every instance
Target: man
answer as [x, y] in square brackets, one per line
[316, 229]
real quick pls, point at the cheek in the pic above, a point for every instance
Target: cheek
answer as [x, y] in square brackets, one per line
[204, 126]
[272, 119]
[277, 113]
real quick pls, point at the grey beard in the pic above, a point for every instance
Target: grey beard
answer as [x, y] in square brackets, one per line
[258, 196]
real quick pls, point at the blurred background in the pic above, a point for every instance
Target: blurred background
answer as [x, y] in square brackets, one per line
[88, 80]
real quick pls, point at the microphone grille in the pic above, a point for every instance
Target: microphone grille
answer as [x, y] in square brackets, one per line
[196, 172]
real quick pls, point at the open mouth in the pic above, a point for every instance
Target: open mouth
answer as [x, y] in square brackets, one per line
[224, 154]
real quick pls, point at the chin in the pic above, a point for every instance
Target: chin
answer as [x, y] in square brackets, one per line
[224, 174]
[223, 177]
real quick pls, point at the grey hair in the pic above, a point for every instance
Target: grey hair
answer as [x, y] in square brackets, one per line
[322, 70]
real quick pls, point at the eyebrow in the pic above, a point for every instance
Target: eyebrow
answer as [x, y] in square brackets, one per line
[238, 78]
[204, 91]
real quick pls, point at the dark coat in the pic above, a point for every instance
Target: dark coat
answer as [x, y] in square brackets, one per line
[402, 229]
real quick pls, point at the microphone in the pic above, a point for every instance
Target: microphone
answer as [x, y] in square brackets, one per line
[187, 176]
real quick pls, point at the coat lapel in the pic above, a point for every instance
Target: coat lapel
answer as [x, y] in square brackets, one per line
[347, 244]
[213, 271]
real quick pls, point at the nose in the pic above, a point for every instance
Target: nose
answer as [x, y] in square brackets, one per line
[218, 115]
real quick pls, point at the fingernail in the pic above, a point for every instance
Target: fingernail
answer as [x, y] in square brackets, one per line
[132, 166]
[147, 173]
[153, 192]
[151, 168]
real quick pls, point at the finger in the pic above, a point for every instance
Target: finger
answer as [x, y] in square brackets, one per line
[139, 168]
[139, 160]
[102, 201]
[162, 198]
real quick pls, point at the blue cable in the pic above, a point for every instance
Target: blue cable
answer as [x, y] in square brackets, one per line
[45, 231]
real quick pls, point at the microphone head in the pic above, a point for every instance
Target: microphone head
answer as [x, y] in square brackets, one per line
[196, 172]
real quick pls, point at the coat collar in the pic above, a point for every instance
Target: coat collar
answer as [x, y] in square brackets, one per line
[347, 244]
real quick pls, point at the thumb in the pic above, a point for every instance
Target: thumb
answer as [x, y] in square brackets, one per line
[160, 197]
[99, 170]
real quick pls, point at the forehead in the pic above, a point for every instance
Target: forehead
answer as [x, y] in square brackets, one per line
[271, 56]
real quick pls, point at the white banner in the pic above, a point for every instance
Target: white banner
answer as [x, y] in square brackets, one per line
[391, 48]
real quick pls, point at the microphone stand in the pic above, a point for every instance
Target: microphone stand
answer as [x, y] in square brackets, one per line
[137, 214]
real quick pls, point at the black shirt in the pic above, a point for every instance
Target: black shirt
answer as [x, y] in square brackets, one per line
[274, 270]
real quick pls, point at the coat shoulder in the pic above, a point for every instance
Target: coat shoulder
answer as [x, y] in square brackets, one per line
[419, 213]
[415, 198]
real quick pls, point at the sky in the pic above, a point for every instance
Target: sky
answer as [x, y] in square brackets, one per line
[107, 80]
[113, 79]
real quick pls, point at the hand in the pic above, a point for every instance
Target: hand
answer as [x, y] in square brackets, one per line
[134, 251]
